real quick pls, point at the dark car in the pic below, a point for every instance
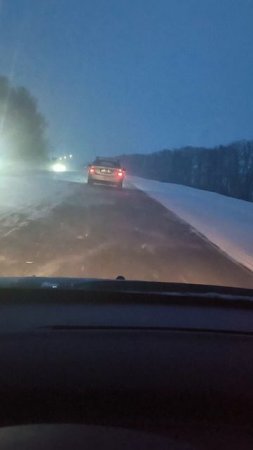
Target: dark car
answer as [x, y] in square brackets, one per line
[106, 170]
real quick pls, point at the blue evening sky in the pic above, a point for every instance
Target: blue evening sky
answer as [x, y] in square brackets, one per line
[115, 76]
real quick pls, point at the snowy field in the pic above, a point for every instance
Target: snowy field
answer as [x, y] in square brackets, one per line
[225, 221]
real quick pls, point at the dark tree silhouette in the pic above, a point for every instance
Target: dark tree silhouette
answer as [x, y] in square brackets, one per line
[22, 126]
[224, 169]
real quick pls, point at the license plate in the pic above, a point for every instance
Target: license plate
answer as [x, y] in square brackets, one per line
[105, 171]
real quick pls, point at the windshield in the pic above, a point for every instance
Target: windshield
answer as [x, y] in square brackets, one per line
[163, 91]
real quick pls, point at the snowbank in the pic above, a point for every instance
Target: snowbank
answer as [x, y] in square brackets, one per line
[225, 221]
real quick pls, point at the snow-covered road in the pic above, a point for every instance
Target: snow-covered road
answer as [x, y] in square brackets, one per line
[27, 197]
[57, 225]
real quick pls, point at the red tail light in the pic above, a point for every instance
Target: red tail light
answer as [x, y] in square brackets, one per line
[91, 170]
[120, 173]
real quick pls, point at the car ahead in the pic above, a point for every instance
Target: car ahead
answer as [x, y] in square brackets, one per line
[106, 171]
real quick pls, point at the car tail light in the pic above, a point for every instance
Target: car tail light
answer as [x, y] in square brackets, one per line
[91, 170]
[120, 173]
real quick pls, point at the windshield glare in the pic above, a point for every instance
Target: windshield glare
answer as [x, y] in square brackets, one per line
[162, 92]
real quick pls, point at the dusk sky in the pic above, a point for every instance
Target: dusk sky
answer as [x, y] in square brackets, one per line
[115, 76]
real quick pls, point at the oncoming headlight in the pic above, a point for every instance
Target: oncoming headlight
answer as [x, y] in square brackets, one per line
[59, 167]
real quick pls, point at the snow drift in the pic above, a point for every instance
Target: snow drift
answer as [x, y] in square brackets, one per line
[225, 221]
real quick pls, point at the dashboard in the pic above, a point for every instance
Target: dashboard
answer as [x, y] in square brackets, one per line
[166, 365]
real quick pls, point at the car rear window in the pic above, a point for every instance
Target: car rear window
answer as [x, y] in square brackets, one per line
[106, 163]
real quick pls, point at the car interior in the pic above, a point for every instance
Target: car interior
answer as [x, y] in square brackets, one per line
[122, 364]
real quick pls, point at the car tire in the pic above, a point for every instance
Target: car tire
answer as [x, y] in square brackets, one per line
[120, 185]
[90, 181]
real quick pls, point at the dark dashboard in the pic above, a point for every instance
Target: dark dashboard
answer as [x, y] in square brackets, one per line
[165, 361]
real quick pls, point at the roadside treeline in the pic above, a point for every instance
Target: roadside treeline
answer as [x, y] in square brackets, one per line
[224, 169]
[22, 126]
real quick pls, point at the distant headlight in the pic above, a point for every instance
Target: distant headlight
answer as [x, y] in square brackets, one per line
[59, 167]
